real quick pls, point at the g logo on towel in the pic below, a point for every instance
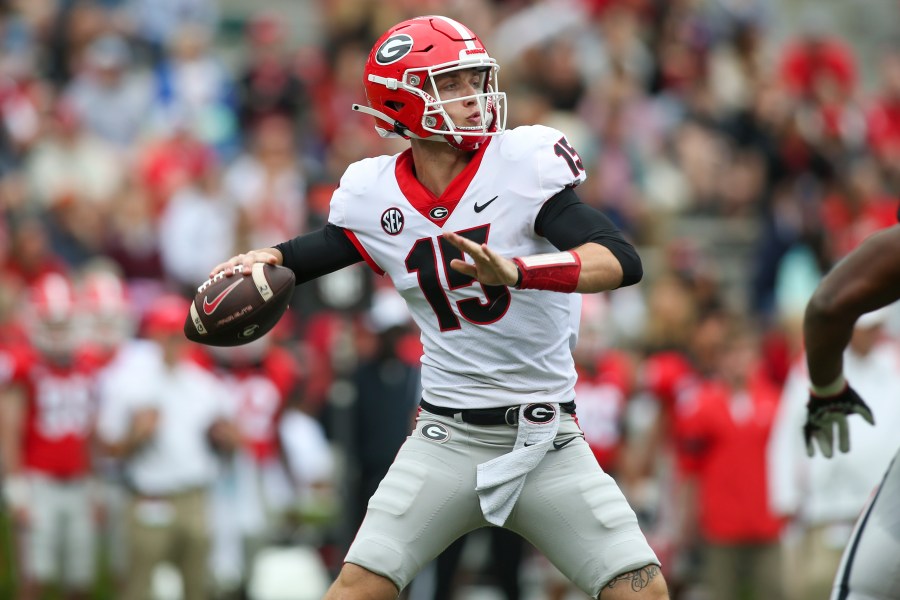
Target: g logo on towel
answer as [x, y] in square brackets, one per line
[435, 432]
[539, 413]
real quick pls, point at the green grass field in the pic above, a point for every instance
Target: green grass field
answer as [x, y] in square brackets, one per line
[103, 589]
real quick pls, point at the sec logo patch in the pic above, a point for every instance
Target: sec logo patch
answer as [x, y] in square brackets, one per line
[392, 221]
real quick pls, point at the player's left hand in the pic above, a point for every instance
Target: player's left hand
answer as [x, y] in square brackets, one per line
[490, 268]
[824, 414]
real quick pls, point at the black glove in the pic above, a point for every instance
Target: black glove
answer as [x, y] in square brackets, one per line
[824, 413]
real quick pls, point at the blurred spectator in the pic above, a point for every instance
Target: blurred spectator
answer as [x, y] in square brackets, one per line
[823, 497]
[313, 468]
[554, 68]
[69, 164]
[678, 358]
[22, 99]
[177, 158]
[165, 427]
[388, 391]
[340, 89]
[723, 430]
[158, 22]
[192, 83]
[74, 178]
[738, 65]
[109, 94]
[30, 253]
[132, 238]
[254, 489]
[268, 185]
[606, 380]
[859, 205]
[681, 45]
[883, 118]
[46, 415]
[817, 55]
[197, 225]
[70, 29]
[268, 85]
[620, 162]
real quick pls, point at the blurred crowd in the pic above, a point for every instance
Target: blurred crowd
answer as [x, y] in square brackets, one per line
[144, 141]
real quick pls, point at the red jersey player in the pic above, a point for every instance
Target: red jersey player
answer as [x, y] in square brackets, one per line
[47, 417]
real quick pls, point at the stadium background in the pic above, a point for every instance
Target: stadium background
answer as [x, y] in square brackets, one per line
[740, 164]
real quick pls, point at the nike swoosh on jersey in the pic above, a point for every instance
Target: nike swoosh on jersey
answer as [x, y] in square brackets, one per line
[210, 307]
[564, 443]
[481, 207]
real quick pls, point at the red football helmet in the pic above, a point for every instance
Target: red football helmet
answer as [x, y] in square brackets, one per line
[52, 315]
[106, 305]
[399, 82]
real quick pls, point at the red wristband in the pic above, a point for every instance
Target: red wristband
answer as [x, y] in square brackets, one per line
[555, 272]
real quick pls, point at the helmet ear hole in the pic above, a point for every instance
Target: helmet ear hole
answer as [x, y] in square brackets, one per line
[394, 105]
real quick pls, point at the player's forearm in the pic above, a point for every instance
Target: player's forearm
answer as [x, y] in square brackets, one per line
[318, 253]
[866, 280]
[586, 269]
[600, 269]
[826, 335]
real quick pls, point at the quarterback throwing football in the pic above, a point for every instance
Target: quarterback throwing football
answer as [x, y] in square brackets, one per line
[481, 232]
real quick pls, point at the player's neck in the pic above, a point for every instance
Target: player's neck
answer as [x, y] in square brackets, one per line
[437, 164]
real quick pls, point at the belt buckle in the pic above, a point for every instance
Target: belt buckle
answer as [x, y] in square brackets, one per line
[512, 416]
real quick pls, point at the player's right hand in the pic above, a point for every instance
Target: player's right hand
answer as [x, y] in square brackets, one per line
[824, 414]
[489, 267]
[243, 263]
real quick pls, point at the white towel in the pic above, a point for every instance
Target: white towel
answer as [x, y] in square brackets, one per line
[499, 481]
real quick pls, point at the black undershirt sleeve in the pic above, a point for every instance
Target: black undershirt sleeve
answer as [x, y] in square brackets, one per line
[567, 223]
[318, 253]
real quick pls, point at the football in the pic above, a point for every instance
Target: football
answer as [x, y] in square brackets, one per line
[230, 311]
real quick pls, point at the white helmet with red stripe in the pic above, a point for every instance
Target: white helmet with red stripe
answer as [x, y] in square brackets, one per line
[400, 87]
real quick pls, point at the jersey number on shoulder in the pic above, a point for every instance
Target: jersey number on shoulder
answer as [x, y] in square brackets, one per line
[564, 150]
[422, 261]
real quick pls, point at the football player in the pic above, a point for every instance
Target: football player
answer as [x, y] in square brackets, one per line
[47, 414]
[865, 280]
[106, 308]
[481, 231]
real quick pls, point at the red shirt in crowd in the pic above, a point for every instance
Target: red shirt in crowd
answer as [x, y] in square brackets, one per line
[668, 375]
[722, 439]
[602, 395]
[261, 390]
[883, 127]
[804, 63]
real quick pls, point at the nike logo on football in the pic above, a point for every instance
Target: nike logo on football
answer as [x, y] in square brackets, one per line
[481, 207]
[564, 443]
[210, 307]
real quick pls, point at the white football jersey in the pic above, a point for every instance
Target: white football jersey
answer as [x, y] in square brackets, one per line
[485, 346]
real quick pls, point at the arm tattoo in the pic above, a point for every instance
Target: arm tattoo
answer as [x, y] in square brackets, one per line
[638, 579]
